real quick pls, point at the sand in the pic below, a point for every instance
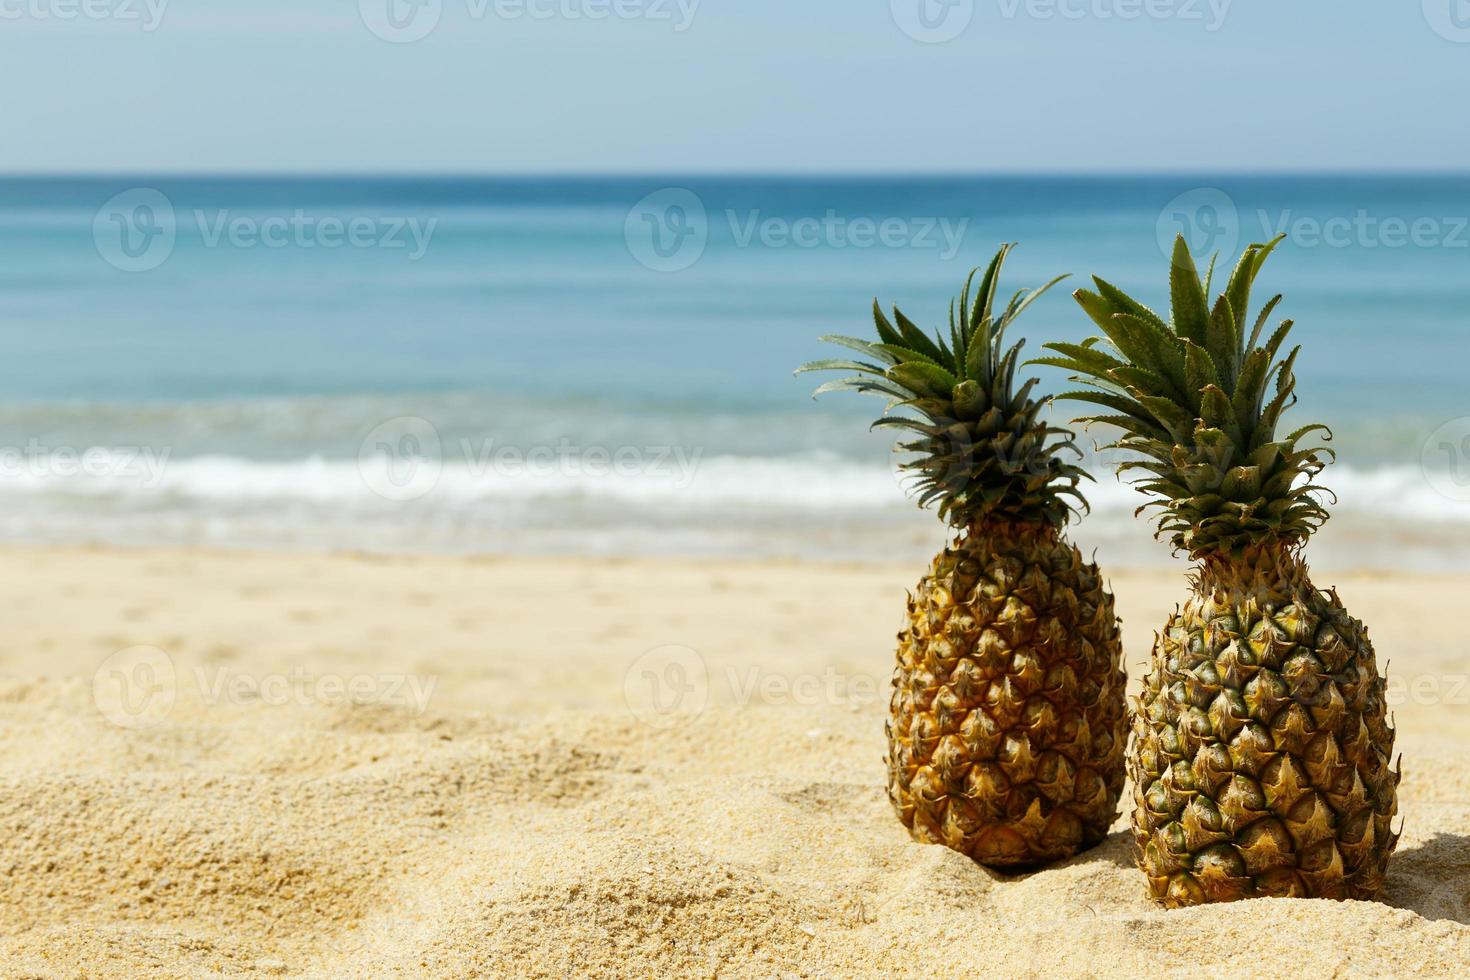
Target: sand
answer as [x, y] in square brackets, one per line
[227, 764]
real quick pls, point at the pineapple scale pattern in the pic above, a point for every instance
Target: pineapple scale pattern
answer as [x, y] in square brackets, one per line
[1008, 718]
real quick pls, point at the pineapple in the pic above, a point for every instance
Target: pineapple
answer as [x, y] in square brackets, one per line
[1008, 715]
[1261, 755]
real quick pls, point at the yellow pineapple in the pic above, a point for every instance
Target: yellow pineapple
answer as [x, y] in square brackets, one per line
[1261, 750]
[1007, 718]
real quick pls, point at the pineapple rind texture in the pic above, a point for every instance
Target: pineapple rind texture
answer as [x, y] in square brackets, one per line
[1008, 717]
[1260, 756]
[1261, 748]
[1007, 721]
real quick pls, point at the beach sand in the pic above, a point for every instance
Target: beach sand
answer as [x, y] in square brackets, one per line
[589, 767]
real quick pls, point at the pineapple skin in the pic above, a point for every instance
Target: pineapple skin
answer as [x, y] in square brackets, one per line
[1261, 752]
[1008, 716]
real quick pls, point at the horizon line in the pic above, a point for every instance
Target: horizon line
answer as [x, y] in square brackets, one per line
[35, 175]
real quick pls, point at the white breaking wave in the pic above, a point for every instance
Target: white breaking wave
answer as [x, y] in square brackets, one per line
[660, 476]
[658, 500]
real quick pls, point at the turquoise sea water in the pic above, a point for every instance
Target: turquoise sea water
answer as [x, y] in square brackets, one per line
[603, 365]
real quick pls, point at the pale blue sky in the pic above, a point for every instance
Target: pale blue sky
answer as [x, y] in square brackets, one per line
[748, 85]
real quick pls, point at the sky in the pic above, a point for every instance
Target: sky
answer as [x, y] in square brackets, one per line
[733, 86]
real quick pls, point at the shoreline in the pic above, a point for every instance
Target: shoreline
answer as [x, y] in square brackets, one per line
[485, 556]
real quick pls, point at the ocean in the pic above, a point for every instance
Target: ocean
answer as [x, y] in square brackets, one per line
[604, 366]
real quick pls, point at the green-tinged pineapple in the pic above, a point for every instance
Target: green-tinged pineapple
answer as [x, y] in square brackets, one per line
[1008, 717]
[1261, 754]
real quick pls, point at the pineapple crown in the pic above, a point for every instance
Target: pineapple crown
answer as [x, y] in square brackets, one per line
[981, 449]
[1190, 397]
